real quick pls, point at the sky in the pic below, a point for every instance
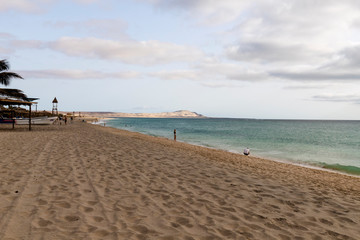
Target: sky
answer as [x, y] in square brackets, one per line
[267, 59]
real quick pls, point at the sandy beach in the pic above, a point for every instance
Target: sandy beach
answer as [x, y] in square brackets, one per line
[83, 181]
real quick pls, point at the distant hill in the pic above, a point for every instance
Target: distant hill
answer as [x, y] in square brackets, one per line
[176, 114]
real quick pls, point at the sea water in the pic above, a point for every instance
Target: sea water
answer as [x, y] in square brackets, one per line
[328, 144]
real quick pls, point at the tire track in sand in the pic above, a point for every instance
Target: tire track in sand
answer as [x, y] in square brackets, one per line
[92, 208]
[16, 218]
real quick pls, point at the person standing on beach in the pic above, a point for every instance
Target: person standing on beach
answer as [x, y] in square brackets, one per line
[174, 134]
[246, 151]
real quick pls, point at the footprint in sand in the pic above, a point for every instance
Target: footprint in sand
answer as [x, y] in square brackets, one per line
[101, 233]
[175, 225]
[98, 219]
[184, 221]
[92, 203]
[227, 233]
[5, 192]
[72, 218]
[327, 222]
[87, 209]
[141, 229]
[42, 202]
[64, 204]
[44, 223]
[87, 191]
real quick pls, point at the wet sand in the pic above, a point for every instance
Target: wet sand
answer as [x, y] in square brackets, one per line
[83, 181]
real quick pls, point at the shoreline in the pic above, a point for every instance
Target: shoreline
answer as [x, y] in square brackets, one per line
[284, 161]
[248, 159]
[86, 181]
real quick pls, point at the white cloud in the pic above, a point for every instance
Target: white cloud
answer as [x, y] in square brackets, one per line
[345, 59]
[220, 85]
[212, 71]
[206, 11]
[317, 75]
[266, 52]
[27, 44]
[77, 74]
[24, 5]
[176, 75]
[34, 6]
[105, 28]
[4, 35]
[131, 52]
[86, 1]
[330, 97]
[302, 40]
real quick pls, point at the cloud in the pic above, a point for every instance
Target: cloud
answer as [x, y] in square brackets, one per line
[217, 69]
[267, 52]
[77, 74]
[304, 87]
[307, 40]
[27, 44]
[5, 51]
[354, 98]
[220, 85]
[176, 75]
[212, 12]
[317, 76]
[86, 1]
[6, 36]
[21, 5]
[213, 71]
[271, 40]
[105, 28]
[347, 58]
[341, 66]
[131, 52]
[33, 6]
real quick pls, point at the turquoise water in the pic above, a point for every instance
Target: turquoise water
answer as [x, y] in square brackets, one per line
[328, 144]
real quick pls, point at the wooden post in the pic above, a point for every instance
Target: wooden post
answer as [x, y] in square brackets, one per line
[30, 117]
[13, 119]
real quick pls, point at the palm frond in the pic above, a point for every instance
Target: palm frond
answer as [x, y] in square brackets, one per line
[5, 77]
[4, 65]
[13, 93]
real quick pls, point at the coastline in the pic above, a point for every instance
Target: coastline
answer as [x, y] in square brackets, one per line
[335, 168]
[251, 160]
[85, 181]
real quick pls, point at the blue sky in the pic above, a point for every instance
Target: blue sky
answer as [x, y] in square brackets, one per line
[294, 59]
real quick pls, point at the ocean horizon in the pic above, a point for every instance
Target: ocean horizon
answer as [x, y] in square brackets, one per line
[326, 144]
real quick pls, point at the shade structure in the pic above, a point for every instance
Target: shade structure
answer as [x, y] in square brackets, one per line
[12, 102]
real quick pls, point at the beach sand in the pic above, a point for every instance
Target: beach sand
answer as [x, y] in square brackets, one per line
[83, 181]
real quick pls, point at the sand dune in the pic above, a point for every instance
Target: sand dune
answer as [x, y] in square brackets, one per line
[82, 181]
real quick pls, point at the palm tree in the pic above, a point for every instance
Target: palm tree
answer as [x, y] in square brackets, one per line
[14, 93]
[5, 76]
